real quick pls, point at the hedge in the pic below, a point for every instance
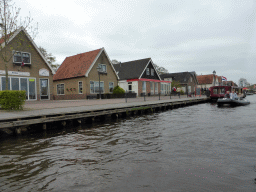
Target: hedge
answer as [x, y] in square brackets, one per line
[12, 99]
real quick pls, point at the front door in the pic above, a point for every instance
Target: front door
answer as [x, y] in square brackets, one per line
[44, 91]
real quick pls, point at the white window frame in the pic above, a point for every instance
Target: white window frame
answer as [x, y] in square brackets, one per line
[162, 88]
[80, 92]
[14, 52]
[63, 88]
[20, 86]
[156, 88]
[103, 91]
[147, 71]
[100, 65]
[47, 90]
[152, 90]
[152, 72]
[129, 84]
[112, 87]
[144, 83]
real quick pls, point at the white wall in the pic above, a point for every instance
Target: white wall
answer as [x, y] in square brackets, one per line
[124, 84]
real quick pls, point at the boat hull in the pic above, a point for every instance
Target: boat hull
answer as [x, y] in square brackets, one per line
[232, 102]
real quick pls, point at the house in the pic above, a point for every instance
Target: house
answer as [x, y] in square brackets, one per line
[141, 77]
[187, 80]
[27, 68]
[207, 81]
[229, 83]
[79, 75]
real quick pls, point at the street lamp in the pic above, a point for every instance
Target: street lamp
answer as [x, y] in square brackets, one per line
[99, 71]
[214, 73]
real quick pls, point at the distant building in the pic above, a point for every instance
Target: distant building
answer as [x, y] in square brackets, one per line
[242, 82]
[187, 80]
[207, 81]
[141, 77]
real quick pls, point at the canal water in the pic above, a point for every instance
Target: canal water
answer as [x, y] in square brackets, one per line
[196, 148]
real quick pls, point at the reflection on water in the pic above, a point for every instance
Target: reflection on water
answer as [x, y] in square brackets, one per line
[196, 148]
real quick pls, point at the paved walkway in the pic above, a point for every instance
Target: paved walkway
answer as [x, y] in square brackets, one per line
[50, 107]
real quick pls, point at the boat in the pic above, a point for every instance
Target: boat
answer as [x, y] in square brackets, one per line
[217, 92]
[239, 101]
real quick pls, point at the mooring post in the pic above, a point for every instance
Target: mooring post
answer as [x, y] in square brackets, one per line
[79, 121]
[170, 95]
[159, 95]
[126, 96]
[44, 126]
[144, 96]
[18, 131]
[179, 94]
[63, 123]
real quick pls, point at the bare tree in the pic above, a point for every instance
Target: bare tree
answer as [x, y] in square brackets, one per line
[114, 61]
[160, 70]
[49, 58]
[9, 16]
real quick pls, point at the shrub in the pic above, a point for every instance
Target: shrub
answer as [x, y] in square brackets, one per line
[12, 99]
[182, 92]
[118, 90]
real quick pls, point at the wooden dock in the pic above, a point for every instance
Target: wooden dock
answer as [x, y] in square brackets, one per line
[61, 117]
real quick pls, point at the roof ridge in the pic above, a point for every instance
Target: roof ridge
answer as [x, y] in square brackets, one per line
[135, 60]
[83, 53]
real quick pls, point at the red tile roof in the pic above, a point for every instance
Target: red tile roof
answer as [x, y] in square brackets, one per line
[207, 79]
[76, 66]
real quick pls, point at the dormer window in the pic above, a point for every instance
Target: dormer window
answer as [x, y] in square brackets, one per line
[152, 72]
[20, 57]
[147, 71]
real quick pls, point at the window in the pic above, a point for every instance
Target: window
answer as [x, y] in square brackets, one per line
[111, 86]
[147, 71]
[20, 83]
[26, 57]
[21, 56]
[103, 68]
[80, 87]
[156, 88]
[144, 86]
[152, 72]
[94, 87]
[162, 88]
[152, 88]
[60, 89]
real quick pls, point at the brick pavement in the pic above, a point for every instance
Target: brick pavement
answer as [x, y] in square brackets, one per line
[53, 107]
[49, 104]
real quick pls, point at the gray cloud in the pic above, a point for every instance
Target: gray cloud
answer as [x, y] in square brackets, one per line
[180, 35]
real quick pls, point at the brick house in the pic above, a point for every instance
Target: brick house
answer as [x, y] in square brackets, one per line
[141, 77]
[187, 80]
[78, 76]
[35, 76]
[207, 81]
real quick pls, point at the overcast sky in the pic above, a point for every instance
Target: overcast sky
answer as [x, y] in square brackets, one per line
[180, 35]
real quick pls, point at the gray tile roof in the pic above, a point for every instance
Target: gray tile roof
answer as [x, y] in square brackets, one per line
[182, 77]
[131, 69]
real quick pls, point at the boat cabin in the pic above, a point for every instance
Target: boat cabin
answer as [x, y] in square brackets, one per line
[220, 91]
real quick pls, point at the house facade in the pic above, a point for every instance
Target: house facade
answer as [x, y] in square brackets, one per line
[187, 80]
[207, 81]
[78, 76]
[141, 77]
[27, 68]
